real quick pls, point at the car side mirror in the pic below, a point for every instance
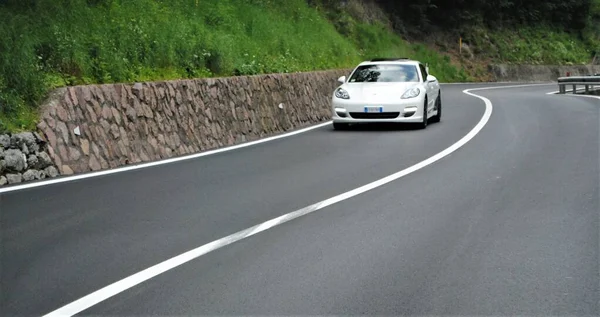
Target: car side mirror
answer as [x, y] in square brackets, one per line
[342, 79]
[431, 78]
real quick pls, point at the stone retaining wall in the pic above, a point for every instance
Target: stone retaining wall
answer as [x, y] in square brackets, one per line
[89, 128]
[537, 73]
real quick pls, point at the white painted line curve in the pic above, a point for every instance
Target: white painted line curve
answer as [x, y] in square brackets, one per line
[557, 93]
[142, 276]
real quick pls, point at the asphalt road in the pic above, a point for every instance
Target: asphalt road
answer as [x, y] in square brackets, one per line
[508, 224]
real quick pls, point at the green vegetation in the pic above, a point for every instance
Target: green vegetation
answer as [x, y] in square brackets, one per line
[52, 43]
[532, 31]
[517, 47]
[46, 44]
[572, 15]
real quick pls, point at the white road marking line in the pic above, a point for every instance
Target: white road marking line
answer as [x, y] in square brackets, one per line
[572, 95]
[587, 96]
[142, 276]
[500, 83]
[567, 94]
[156, 163]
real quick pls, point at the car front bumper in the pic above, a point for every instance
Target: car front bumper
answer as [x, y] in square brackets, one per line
[349, 111]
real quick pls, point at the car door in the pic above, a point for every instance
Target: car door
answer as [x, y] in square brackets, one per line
[428, 88]
[431, 89]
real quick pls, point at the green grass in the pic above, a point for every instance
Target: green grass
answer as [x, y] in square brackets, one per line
[53, 43]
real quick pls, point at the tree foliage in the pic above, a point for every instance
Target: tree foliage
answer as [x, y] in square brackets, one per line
[568, 14]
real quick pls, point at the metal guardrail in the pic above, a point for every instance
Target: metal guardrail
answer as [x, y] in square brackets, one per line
[588, 81]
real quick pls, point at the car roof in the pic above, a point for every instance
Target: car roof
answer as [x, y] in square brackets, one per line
[400, 61]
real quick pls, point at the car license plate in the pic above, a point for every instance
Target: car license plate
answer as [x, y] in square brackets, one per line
[373, 109]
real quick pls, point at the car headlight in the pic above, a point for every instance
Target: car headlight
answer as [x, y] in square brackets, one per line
[342, 94]
[411, 93]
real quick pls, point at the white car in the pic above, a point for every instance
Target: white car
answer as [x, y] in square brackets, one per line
[387, 90]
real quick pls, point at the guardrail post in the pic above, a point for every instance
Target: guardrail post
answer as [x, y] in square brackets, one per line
[589, 82]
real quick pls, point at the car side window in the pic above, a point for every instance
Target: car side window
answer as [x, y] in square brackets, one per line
[423, 72]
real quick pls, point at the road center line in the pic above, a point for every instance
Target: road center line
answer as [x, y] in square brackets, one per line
[142, 276]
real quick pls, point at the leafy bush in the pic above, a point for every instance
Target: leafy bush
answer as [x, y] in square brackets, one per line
[530, 45]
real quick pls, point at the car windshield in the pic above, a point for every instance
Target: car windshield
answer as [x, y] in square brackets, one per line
[385, 73]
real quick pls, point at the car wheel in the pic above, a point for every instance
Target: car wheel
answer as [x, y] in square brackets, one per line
[438, 107]
[423, 124]
[340, 126]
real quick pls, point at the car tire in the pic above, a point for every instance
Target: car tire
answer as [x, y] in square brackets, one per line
[438, 106]
[340, 126]
[423, 124]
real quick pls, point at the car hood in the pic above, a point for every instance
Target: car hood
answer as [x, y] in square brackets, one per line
[377, 91]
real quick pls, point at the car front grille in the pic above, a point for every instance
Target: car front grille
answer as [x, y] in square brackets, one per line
[374, 115]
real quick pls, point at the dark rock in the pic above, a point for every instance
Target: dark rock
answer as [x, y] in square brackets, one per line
[44, 160]
[34, 148]
[42, 175]
[19, 139]
[15, 160]
[4, 141]
[51, 171]
[30, 175]
[33, 161]
[14, 178]
[38, 138]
